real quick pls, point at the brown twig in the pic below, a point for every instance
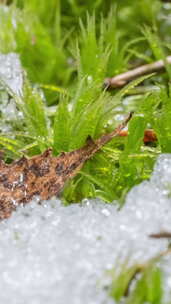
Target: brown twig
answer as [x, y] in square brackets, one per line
[161, 235]
[122, 79]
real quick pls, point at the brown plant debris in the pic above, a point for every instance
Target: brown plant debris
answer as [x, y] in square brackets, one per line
[161, 235]
[44, 175]
[121, 80]
[149, 135]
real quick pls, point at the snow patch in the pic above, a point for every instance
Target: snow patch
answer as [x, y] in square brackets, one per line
[11, 72]
[11, 79]
[55, 254]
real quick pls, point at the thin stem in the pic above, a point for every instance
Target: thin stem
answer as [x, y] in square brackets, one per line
[122, 79]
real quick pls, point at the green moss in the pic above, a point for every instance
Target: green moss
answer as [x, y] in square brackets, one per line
[67, 49]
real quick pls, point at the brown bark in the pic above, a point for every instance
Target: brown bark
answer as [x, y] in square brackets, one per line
[44, 175]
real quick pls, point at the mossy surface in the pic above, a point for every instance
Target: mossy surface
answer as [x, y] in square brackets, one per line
[67, 49]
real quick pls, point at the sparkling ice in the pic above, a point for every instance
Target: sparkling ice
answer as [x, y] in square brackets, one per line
[55, 254]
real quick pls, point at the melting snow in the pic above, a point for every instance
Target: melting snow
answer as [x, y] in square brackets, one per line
[55, 254]
[58, 255]
[11, 75]
[11, 72]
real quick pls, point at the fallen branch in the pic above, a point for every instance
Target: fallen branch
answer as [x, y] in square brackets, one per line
[122, 79]
[45, 175]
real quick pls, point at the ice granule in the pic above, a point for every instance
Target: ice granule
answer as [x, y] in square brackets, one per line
[11, 72]
[11, 79]
[59, 255]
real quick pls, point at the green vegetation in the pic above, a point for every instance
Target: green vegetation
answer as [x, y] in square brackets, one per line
[67, 50]
[138, 284]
